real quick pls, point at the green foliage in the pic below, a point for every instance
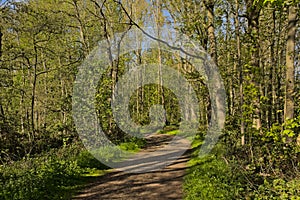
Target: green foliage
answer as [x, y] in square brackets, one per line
[289, 129]
[51, 176]
[279, 149]
[268, 172]
[133, 144]
[278, 189]
[37, 76]
[170, 130]
[44, 180]
[278, 2]
[129, 146]
[86, 160]
[267, 165]
[209, 178]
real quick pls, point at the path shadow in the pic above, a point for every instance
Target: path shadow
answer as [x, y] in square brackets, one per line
[163, 184]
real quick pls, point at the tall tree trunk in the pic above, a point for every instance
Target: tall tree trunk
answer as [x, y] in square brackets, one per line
[290, 69]
[253, 13]
[33, 92]
[272, 73]
[231, 72]
[2, 115]
[81, 27]
[240, 68]
[278, 70]
[158, 16]
[211, 30]
[1, 34]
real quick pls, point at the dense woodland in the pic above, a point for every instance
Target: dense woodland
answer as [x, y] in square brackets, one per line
[254, 43]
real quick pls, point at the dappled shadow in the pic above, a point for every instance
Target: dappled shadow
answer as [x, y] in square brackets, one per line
[162, 184]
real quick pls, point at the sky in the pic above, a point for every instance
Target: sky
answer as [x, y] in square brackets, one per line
[2, 1]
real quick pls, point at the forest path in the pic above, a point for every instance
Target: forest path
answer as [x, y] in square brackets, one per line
[162, 184]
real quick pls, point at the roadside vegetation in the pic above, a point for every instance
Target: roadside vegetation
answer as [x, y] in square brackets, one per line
[254, 44]
[56, 174]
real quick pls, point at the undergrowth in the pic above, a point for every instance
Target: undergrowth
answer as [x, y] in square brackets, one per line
[56, 174]
[217, 177]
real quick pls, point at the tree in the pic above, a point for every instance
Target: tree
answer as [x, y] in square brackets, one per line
[290, 62]
[211, 30]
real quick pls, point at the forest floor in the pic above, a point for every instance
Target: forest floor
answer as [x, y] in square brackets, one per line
[163, 184]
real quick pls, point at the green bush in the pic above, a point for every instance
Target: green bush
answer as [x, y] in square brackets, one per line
[133, 144]
[219, 177]
[50, 176]
[278, 189]
[86, 160]
[38, 179]
[209, 178]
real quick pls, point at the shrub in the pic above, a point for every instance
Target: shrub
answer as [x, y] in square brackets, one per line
[49, 176]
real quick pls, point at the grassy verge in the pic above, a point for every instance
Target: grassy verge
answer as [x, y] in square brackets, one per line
[133, 145]
[57, 174]
[170, 130]
[214, 177]
[53, 175]
[207, 177]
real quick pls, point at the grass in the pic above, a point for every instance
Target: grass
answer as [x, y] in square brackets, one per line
[208, 177]
[172, 129]
[173, 132]
[53, 175]
[133, 145]
[59, 174]
[213, 177]
[56, 174]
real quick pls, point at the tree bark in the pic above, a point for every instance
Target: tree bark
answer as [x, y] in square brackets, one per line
[290, 68]
[253, 13]
[1, 34]
[240, 69]
[211, 30]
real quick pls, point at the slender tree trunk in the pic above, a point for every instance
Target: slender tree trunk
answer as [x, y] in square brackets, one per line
[81, 29]
[33, 93]
[253, 13]
[290, 69]
[139, 91]
[278, 71]
[230, 72]
[1, 35]
[240, 68]
[158, 22]
[211, 30]
[2, 115]
[271, 84]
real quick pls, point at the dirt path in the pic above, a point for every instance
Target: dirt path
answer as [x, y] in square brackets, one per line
[162, 184]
